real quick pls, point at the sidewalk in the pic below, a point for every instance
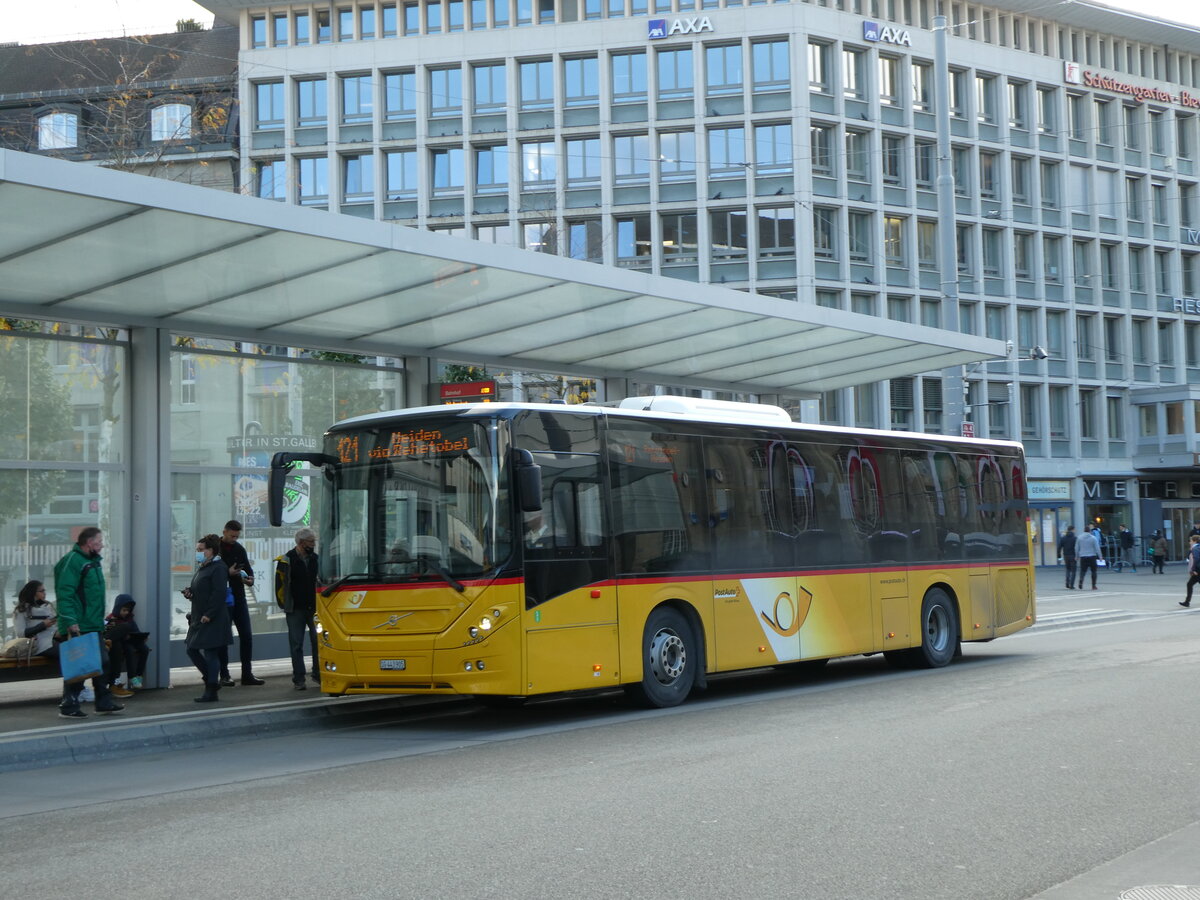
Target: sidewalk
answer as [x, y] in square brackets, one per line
[32, 736]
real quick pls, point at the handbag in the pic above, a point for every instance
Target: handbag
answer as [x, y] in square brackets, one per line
[80, 658]
[18, 648]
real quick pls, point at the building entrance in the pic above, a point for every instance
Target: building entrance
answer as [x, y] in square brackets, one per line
[1048, 524]
[1180, 517]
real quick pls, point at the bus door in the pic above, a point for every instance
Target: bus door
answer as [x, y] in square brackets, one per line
[570, 602]
[661, 531]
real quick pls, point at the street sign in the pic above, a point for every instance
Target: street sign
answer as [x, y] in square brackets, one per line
[968, 429]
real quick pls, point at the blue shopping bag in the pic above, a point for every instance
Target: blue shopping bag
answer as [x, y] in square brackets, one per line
[80, 657]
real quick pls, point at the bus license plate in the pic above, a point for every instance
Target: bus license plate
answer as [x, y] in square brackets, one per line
[393, 664]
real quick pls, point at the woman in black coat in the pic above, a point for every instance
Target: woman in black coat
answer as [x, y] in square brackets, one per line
[209, 625]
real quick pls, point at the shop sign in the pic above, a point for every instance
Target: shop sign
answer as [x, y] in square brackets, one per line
[1188, 305]
[1104, 490]
[1050, 490]
[873, 31]
[1073, 73]
[657, 29]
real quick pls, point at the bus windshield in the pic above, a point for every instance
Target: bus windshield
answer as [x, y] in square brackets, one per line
[414, 500]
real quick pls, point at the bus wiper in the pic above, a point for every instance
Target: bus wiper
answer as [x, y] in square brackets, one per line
[436, 568]
[325, 592]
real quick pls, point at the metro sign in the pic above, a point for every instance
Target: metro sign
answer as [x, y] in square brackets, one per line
[873, 31]
[657, 29]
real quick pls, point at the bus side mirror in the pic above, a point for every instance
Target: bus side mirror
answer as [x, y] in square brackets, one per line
[281, 466]
[529, 482]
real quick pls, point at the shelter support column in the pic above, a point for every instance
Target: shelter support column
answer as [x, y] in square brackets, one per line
[616, 389]
[420, 376]
[149, 498]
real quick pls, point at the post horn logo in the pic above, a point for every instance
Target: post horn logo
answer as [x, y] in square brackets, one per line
[789, 614]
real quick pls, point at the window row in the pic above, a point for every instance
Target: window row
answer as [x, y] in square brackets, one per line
[493, 168]
[371, 21]
[60, 129]
[991, 99]
[536, 84]
[1005, 410]
[862, 236]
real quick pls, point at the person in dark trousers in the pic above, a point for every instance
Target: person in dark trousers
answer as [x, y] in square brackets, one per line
[209, 626]
[1193, 567]
[296, 593]
[1158, 553]
[80, 590]
[1087, 545]
[1066, 549]
[128, 652]
[241, 574]
[1125, 542]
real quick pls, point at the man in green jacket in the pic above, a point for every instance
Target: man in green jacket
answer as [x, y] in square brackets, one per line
[81, 597]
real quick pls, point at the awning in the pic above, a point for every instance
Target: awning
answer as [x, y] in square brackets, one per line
[83, 244]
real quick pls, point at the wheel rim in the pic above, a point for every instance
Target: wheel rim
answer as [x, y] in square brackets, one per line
[668, 656]
[937, 629]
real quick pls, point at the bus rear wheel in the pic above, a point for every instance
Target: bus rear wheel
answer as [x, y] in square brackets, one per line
[939, 635]
[668, 660]
[939, 631]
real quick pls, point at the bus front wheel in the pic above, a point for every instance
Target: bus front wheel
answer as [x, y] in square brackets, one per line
[668, 660]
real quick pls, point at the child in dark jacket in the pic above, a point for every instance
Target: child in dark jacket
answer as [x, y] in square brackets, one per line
[128, 652]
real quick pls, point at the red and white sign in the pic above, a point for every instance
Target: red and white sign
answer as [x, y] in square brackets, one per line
[968, 429]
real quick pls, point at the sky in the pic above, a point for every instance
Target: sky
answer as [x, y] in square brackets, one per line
[65, 20]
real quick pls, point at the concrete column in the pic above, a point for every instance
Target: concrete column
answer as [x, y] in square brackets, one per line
[614, 389]
[149, 494]
[420, 374]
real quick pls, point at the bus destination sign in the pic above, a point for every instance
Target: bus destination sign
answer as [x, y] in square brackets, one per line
[416, 442]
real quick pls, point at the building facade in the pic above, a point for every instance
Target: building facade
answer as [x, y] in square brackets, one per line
[790, 149]
[160, 104]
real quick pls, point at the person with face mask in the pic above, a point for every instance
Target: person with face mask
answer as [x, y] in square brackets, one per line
[209, 626]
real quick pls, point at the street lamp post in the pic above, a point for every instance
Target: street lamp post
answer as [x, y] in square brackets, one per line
[953, 383]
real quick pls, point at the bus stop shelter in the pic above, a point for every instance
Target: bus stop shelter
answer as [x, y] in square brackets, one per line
[84, 245]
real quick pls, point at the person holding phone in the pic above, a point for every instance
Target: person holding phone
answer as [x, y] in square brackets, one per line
[241, 576]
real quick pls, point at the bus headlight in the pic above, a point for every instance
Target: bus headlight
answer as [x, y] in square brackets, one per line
[485, 623]
[473, 631]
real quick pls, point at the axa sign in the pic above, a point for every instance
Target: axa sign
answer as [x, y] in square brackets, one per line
[658, 28]
[873, 31]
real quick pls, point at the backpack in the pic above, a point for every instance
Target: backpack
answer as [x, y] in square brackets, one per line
[281, 580]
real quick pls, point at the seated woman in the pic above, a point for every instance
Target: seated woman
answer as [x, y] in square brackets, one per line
[128, 652]
[35, 618]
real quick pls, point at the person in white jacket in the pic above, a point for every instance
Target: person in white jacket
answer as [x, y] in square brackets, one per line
[35, 619]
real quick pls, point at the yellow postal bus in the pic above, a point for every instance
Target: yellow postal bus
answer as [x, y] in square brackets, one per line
[510, 550]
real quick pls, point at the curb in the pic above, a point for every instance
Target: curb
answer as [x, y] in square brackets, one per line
[46, 747]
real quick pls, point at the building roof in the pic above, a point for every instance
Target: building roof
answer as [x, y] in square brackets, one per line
[93, 246]
[75, 67]
[1083, 14]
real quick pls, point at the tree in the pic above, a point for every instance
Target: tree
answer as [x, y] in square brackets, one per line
[36, 411]
[456, 374]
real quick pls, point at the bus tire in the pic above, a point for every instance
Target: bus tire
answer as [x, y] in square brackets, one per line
[669, 660]
[939, 631]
